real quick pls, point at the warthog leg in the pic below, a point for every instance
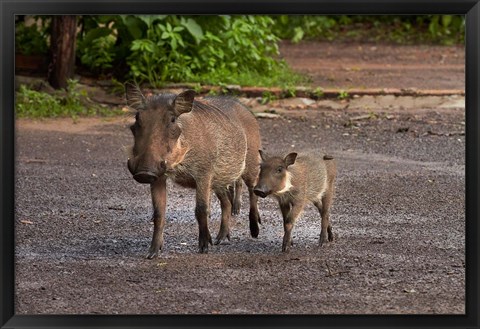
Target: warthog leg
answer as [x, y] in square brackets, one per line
[202, 209]
[290, 214]
[226, 206]
[235, 195]
[159, 200]
[326, 231]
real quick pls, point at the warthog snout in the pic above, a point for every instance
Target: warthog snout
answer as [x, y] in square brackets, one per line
[261, 190]
[146, 175]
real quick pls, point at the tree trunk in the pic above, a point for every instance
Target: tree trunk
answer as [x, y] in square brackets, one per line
[62, 50]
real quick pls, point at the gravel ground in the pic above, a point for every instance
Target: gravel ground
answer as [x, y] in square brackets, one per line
[83, 224]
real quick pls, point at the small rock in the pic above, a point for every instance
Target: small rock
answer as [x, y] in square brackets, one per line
[308, 101]
[266, 115]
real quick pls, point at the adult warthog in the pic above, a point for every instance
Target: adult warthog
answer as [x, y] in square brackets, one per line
[209, 144]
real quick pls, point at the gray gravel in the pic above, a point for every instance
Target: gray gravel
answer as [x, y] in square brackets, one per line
[83, 224]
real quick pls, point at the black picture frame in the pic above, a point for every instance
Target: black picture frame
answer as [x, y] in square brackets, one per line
[8, 9]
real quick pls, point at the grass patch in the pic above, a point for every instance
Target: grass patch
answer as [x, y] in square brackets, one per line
[282, 77]
[63, 103]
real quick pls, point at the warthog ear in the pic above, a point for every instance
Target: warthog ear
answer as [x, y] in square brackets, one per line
[183, 103]
[263, 156]
[290, 159]
[135, 98]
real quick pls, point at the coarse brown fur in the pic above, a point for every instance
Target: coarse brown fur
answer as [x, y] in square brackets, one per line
[209, 145]
[294, 180]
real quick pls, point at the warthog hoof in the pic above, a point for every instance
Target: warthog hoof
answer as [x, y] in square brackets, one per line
[254, 221]
[286, 246]
[203, 244]
[324, 238]
[152, 253]
[236, 207]
[254, 230]
[221, 237]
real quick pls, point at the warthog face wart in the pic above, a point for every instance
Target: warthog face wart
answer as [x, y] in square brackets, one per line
[157, 132]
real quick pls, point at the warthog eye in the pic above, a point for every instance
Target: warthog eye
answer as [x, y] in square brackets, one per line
[173, 120]
[279, 170]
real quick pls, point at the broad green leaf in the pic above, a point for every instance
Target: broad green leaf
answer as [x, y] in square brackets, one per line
[194, 29]
[446, 20]
[96, 33]
[150, 19]
[135, 26]
[180, 41]
[284, 19]
[298, 34]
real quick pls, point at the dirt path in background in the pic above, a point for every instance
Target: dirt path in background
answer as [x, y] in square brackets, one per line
[83, 224]
[360, 65]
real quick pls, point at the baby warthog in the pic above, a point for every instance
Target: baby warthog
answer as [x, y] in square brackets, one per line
[294, 180]
[207, 145]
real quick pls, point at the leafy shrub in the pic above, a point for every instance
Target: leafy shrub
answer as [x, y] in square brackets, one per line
[214, 49]
[98, 54]
[205, 49]
[30, 40]
[449, 28]
[63, 103]
[304, 26]
[439, 29]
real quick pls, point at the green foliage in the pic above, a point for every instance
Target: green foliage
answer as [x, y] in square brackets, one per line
[97, 53]
[215, 50]
[447, 27]
[438, 29]
[343, 94]
[64, 103]
[304, 26]
[318, 92]
[267, 97]
[289, 92]
[204, 49]
[30, 40]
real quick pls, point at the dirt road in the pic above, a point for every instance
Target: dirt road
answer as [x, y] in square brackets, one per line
[369, 65]
[83, 224]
